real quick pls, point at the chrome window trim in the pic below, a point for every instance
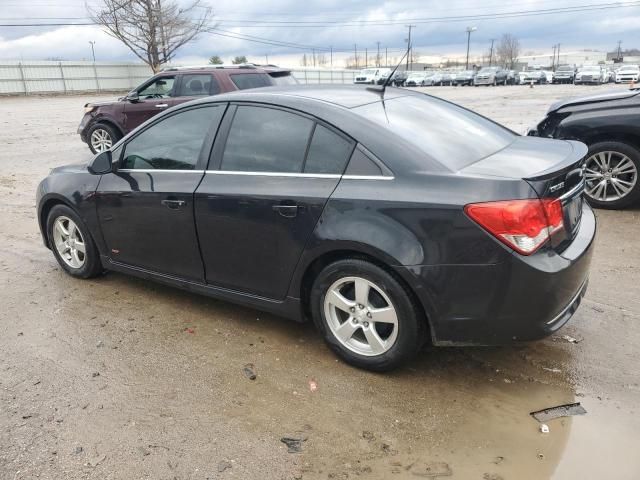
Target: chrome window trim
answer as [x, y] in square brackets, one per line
[301, 175]
[276, 174]
[158, 170]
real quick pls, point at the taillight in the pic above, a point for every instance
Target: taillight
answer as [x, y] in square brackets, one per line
[524, 225]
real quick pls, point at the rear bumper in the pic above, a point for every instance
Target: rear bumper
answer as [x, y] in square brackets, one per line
[519, 299]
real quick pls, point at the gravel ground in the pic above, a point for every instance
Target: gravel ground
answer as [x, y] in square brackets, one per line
[118, 378]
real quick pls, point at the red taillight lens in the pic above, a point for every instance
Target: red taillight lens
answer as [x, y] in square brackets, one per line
[523, 225]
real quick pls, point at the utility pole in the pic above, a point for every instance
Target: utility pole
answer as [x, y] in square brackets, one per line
[553, 61]
[366, 58]
[331, 56]
[386, 56]
[313, 51]
[558, 54]
[378, 55]
[162, 36]
[469, 30]
[355, 49]
[267, 58]
[619, 43]
[491, 52]
[93, 52]
[409, 45]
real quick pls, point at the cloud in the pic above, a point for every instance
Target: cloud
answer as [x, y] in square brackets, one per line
[597, 29]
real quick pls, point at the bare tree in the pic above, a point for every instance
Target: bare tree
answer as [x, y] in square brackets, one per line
[508, 50]
[152, 29]
[304, 61]
[322, 59]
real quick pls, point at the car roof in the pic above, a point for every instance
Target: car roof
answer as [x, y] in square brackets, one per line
[346, 96]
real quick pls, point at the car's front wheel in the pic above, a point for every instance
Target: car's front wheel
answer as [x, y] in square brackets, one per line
[102, 137]
[71, 243]
[611, 175]
[365, 315]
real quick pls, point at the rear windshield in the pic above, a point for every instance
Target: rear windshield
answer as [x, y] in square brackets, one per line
[283, 78]
[250, 80]
[449, 134]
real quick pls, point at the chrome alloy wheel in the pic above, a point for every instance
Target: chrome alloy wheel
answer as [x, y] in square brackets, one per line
[69, 242]
[361, 316]
[101, 140]
[609, 176]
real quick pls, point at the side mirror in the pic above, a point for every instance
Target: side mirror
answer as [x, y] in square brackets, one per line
[101, 163]
[133, 97]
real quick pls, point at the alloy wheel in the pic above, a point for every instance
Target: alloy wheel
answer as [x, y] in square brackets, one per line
[69, 242]
[609, 176]
[361, 316]
[101, 140]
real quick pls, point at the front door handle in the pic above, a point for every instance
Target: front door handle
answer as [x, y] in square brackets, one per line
[173, 204]
[287, 209]
[162, 105]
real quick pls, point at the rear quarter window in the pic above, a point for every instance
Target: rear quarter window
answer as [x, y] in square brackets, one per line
[451, 135]
[244, 81]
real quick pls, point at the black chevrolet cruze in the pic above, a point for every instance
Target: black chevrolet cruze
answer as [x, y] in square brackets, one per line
[391, 220]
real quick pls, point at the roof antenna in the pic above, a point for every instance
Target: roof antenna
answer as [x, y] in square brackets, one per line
[388, 80]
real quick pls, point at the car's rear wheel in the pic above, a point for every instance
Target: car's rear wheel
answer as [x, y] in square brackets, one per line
[102, 137]
[71, 243]
[365, 315]
[611, 175]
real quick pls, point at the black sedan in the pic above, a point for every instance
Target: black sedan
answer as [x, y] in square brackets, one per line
[390, 219]
[609, 123]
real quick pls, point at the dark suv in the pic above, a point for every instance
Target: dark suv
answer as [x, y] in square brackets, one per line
[105, 123]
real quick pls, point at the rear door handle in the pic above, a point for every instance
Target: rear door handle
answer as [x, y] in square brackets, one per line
[173, 204]
[162, 105]
[287, 209]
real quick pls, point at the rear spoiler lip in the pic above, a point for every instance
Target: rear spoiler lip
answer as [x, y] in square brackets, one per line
[579, 151]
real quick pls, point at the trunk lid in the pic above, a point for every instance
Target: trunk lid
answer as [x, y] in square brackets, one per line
[553, 169]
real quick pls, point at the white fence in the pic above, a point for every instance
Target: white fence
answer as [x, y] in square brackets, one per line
[25, 78]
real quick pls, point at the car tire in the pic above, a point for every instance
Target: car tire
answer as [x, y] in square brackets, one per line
[65, 243]
[393, 344]
[102, 135]
[623, 154]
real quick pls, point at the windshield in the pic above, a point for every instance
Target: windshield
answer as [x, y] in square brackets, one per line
[368, 71]
[284, 78]
[590, 69]
[416, 75]
[450, 134]
[629, 68]
[565, 68]
[489, 70]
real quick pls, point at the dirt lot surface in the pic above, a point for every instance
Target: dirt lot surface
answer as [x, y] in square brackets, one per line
[118, 378]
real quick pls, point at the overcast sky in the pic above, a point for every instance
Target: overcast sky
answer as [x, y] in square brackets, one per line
[341, 28]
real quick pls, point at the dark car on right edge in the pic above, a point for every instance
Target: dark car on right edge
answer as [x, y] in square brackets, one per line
[609, 123]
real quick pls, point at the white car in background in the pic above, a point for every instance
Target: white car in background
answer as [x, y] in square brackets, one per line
[628, 74]
[590, 74]
[372, 75]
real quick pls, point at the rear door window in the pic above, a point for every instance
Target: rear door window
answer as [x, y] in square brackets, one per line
[198, 85]
[266, 140]
[244, 81]
[328, 152]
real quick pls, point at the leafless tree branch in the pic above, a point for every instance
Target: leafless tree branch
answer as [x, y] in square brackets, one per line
[152, 29]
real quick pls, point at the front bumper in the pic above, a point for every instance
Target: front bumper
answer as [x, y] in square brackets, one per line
[520, 299]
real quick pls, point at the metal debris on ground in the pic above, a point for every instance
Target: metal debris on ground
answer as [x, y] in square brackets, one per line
[294, 445]
[570, 339]
[544, 428]
[559, 411]
[249, 371]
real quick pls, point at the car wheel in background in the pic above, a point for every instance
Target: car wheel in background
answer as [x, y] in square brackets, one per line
[101, 137]
[71, 243]
[611, 175]
[365, 315]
